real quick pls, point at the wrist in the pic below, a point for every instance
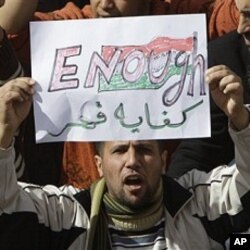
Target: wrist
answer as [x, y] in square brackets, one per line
[4, 144]
[6, 137]
[242, 120]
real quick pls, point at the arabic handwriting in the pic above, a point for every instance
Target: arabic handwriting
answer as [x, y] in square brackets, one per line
[102, 118]
[84, 122]
[68, 125]
[184, 115]
[120, 115]
[147, 115]
[166, 121]
[90, 124]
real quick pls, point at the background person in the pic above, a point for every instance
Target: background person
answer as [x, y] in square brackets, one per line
[231, 50]
[42, 162]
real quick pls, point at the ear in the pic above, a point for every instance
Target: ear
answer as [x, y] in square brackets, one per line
[164, 156]
[98, 163]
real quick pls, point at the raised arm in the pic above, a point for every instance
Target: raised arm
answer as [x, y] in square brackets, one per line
[221, 197]
[227, 92]
[46, 216]
[207, 153]
[15, 103]
[15, 14]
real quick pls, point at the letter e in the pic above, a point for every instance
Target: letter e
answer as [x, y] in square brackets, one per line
[61, 69]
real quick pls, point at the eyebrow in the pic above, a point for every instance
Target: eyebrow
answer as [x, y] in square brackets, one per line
[139, 145]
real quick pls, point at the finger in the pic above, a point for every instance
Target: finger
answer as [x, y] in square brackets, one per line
[26, 80]
[78, 13]
[70, 14]
[216, 68]
[220, 76]
[74, 13]
[13, 96]
[26, 84]
[227, 80]
[22, 83]
[17, 87]
[59, 15]
[216, 76]
[26, 92]
[233, 88]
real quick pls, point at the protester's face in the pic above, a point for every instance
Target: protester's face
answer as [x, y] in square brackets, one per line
[118, 8]
[132, 170]
[2, 3]
[244, 23]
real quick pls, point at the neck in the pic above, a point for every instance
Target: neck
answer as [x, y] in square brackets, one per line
[131, 220]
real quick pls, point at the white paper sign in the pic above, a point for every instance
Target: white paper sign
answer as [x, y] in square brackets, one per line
[120, 78]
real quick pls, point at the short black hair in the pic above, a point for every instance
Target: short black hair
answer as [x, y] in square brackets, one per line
[99, 147]
[100, 144]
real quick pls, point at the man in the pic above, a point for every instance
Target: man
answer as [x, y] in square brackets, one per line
[231, 50]
[134, 205]
[79, 170]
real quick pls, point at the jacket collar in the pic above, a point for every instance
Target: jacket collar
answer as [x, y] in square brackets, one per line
[175, 196]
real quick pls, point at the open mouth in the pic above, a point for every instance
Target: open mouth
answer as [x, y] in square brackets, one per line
[134, 183]
[133, 180]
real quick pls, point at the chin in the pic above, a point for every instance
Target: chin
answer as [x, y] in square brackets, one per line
[137, 203]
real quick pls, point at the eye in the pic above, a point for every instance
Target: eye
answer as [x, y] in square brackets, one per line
[246, 14]
[119, 150]
[145, 150]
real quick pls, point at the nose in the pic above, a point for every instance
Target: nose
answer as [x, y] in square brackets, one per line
[107, 4]
[133, 159]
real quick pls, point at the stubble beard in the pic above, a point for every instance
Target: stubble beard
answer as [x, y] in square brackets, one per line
[137, 204]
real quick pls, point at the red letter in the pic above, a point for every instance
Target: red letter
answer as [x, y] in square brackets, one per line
[61, 69]
[135, 74]
[97, 63]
